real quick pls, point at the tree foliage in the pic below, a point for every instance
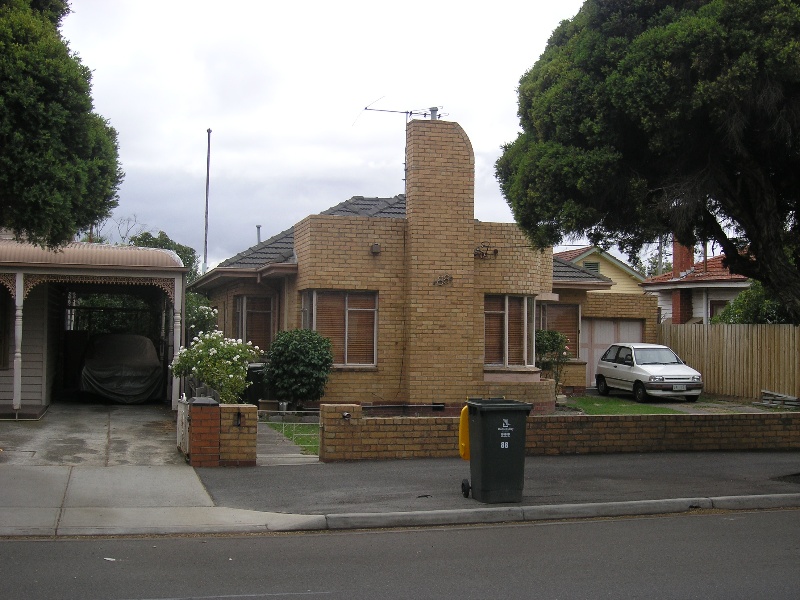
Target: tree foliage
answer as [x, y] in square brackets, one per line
[650, 117]
[753, 306]
[59, 165]
[187, 254]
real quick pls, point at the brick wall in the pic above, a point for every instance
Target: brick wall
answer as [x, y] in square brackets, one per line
[359, 438]
[442, 344]
[624, 306]
[335, 255]
[223, 435]
[204, 435]
[371, 438]
[681, 306]
[238, 429]
[663, 433]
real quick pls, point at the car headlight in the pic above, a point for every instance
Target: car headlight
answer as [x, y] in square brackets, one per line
[656, 378]
[697, 378]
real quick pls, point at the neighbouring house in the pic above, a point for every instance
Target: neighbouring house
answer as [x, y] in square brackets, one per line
[693, 292]
[597, 306]
[624, 278]
[424, 304]
[44, 328]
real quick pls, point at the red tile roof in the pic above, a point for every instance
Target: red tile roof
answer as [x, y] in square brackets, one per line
[570, 255]
[709, 270]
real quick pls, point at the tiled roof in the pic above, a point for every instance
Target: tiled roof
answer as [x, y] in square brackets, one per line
[280, 248]
[567, 272]
[701, 272]
[570, 255]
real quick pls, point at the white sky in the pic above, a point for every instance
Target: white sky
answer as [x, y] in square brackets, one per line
[283, 86]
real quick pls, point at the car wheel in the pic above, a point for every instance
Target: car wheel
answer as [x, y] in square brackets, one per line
[639, 393]
[602, 386]
[692, 398]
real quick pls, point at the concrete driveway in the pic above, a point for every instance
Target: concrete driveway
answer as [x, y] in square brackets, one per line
[102, 435]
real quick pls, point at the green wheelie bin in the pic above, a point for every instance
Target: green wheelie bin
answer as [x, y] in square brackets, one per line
[496, 449]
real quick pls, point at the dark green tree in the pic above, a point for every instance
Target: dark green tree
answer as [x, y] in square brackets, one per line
[649, 117]
[59, 163]
[187, 254]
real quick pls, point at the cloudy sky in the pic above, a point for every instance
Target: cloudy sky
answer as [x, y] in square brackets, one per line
[283, 87]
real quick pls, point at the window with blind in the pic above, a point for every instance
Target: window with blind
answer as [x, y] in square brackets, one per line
[563, 318]
[253, 316]
[349, 319]
[508, 329]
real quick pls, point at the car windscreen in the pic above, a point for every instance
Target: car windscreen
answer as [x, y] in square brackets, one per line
[656, 356]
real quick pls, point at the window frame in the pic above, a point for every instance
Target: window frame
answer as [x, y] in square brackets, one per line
[527, 341]
[542, 323]
[240, 318]
[309, 320]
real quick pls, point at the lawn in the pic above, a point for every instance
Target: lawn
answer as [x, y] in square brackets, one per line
[305, 435]
[597, 405]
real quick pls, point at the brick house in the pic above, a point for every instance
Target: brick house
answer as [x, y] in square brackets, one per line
[423, 303]
[693, 292]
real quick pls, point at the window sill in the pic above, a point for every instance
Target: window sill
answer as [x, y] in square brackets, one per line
[499, 374]
[341, 368]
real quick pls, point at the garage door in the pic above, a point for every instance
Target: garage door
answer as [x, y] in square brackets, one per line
[599, 334]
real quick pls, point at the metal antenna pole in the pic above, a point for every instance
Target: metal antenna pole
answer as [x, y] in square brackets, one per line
[208, 173]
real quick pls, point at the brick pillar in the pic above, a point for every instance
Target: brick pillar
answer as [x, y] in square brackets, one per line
[204, 435]
[340, 433]
[441, 345]
[681, 306]
[238, 429]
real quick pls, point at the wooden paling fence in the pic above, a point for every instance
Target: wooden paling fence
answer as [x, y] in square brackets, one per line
[739, 360]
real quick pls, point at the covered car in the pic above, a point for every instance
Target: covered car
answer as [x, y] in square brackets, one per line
[122, 367]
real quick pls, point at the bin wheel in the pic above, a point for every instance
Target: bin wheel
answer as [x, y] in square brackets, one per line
[465, 488]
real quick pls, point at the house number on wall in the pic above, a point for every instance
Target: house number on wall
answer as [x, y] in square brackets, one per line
[443, 280]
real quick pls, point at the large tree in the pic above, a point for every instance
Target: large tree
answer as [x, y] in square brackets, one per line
[59, 163]
[647, 117]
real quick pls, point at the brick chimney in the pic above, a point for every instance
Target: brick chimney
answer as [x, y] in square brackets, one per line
[682, 258]
[682, 261]
[440, 240]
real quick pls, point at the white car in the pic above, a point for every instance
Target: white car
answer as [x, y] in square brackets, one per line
[646, 370]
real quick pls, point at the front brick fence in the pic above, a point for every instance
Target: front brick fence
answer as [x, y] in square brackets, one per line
[222, 435]
[346, 434]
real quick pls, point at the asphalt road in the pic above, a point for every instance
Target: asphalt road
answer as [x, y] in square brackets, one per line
[709, 556]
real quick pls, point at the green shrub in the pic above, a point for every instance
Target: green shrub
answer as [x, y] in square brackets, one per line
[298, 364]
[552, 353]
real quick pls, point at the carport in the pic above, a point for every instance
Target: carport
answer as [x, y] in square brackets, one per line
[46, 317]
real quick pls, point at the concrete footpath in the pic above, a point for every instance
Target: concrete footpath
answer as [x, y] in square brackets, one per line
[58, 480]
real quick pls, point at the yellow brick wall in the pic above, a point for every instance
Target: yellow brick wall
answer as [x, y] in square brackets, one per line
[334, 254]
[624, 306]
[372, 438]
[443, 343]
[238, 429]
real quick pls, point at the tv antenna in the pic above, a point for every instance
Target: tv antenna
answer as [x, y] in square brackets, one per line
[434, 112]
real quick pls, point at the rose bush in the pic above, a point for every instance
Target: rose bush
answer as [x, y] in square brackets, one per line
[218, 362]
